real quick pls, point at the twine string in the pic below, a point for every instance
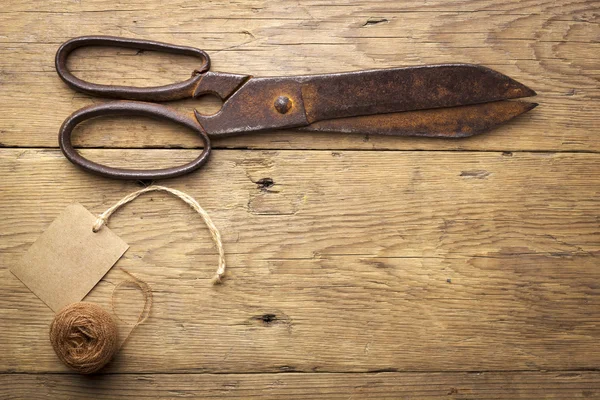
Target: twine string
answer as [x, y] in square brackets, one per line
[146, 292]
[214, 232]
[85, 336]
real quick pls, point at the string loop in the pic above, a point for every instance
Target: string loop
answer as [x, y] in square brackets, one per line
[214, 232]
[146, 291]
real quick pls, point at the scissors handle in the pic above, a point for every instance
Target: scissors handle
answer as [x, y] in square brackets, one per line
[175, 91]
[129, 108]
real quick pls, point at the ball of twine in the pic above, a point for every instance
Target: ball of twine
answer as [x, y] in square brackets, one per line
[84, 337]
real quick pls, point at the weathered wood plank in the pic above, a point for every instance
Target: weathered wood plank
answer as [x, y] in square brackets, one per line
[452, 386]
[350, 262]
[552, 48]
[463, 261]
[336, 314]
[436, 204]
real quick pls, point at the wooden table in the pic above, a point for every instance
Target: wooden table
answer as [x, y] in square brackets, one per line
[359, 266]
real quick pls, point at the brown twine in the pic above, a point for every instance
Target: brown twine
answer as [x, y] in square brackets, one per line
[85, 336]
[214, 232]
[145, 288]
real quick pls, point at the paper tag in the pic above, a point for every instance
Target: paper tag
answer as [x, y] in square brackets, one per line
[69, 259]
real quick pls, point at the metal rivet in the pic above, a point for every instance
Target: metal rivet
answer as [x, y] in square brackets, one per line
[283, 104]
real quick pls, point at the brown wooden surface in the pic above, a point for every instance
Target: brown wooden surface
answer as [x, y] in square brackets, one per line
[408, 385]
[373, 267]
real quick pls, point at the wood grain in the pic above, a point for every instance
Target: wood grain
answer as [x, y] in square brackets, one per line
[499, 275]
[552, 48]
[451, 386]
[359, 266]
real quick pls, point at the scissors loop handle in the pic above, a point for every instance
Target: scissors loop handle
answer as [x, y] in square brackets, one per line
[175, 91]
[130, 108]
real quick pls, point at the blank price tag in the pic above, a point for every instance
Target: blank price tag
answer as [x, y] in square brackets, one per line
[69, 259]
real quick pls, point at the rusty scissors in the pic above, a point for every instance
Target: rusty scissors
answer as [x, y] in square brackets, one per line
[448, 101]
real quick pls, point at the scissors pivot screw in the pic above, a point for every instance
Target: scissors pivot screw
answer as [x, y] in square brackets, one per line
[283, 104]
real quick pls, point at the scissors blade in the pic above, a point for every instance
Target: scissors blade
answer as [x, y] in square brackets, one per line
[451, 122]
[406, 89]
[295, 101]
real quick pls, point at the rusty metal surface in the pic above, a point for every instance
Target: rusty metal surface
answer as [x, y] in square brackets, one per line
[310, 98]
[253, 108]
[219, 83]
[453, 122]
[405, 89]
[450, 100]
[129, 108]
